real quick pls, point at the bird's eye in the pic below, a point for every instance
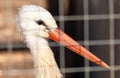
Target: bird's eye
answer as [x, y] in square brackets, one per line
[39, 22]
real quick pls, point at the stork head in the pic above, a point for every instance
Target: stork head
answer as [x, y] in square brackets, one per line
[39, 21]
[34, 18]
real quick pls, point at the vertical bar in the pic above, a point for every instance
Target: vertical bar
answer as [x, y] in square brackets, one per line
[9, 44]
[86, 34]
[61, 24]
[111, 11]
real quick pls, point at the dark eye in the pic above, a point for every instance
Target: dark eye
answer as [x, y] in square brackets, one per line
[39, 22]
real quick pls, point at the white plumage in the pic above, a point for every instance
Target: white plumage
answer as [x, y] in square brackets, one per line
[36, 37]
[37, 25]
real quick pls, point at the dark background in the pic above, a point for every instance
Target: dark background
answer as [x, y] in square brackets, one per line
[101, 28]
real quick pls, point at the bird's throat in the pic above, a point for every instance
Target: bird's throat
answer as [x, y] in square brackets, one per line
[44, 61]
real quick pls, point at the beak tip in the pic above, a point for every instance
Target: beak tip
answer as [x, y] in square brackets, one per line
[105, 65]
[108, 67]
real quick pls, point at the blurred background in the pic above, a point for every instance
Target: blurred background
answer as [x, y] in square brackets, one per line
[92, 23]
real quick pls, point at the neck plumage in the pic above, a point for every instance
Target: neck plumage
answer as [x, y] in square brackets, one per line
[44, 61]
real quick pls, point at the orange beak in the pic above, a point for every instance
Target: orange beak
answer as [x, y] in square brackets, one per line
[59, 36]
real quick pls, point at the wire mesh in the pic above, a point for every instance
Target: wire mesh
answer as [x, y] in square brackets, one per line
[99, 20]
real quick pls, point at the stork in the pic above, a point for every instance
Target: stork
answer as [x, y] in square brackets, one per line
[37, 26]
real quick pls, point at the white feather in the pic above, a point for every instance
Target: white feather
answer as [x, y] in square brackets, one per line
[36, 37]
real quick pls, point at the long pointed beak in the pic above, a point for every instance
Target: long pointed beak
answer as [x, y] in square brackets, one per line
[59, 36]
